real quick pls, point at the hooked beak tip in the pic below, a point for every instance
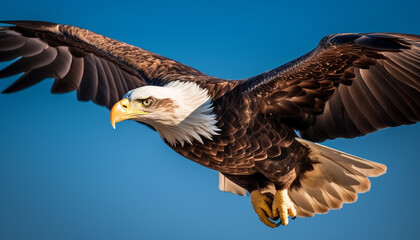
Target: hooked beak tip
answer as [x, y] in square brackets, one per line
[117, 112]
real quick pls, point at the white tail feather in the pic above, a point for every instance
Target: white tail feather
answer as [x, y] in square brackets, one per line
[336, 179]
[226, 185]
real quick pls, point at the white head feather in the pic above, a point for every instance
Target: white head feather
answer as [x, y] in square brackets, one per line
[191, 118]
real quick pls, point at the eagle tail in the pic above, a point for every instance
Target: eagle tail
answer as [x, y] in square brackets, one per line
[337, 178]
[226, 185]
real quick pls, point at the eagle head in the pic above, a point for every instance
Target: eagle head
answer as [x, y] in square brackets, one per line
[179, 111]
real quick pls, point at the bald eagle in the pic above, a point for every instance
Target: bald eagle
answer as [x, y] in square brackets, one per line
[349, 85]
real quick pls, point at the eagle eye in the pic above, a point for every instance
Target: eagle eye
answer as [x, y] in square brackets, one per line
[146, 102]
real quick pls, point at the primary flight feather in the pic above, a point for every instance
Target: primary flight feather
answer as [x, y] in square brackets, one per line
[348, 86]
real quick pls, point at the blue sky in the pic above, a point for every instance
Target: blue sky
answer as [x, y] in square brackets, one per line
[66, 174]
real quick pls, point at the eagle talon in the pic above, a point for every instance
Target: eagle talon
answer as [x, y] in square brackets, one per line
[283, 207]
[262, 203]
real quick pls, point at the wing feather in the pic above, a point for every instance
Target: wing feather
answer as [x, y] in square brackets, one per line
[26, 64]
[101, 69]
[72, 79]
[102, 95]
[89, 84]
[350, 85]
[113, 90]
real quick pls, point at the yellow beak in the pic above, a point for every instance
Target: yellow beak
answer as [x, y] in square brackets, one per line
[122, 111]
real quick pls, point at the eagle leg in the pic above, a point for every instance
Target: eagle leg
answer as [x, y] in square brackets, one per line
[282, 207]
[262, 203]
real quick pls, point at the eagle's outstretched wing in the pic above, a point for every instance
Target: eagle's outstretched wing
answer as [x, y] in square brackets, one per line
[99, 68]
[350, 85]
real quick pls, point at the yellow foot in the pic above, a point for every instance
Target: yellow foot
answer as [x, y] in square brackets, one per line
[283, 207]
[262, 203]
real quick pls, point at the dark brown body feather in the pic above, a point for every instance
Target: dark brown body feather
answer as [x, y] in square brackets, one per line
[350, 85]
[252, 148]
